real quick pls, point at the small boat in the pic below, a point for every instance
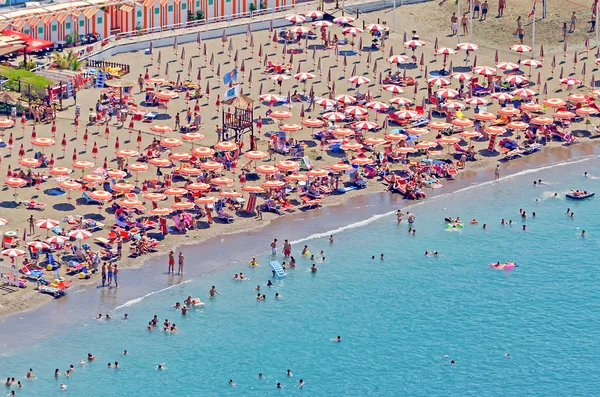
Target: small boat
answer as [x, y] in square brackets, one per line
[580, 196]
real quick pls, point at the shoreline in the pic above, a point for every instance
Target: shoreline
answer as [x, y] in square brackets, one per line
[340, 214]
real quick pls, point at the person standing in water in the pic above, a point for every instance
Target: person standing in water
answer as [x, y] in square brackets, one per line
[181, 261]
[287, 248]
[213, 291]
[274, 247]
[171, 268]
[497, 173]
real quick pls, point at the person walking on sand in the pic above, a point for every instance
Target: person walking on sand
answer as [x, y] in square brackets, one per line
[177, 122]
[519, 24]
[573, 22]
[181, 259]
[171, 268]
[521, 33]
[497, 173]
[464, 22]
[31, 224]
[119, 247]
[501, 7]
[141, 83]
[484, 11]
[454, 24]
[476, 8]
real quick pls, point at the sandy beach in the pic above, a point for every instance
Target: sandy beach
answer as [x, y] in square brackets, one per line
[430, 20]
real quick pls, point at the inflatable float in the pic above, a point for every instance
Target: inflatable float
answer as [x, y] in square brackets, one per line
[503, 266]
[197, 302]
[580, 196]
[451, 226]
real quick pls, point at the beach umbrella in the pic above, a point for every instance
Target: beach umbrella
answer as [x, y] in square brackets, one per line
[345, 99]
[357, 111]
[462, 76]
[570, 81]
[334, 116]
[343, 20]
[440, 81]
[401, 101]
[79, 234]
[524, 92]
[447, 93]
[393, 88]
[484, 116]
[484, 70]
[13, 252]
[57, 240]
[515, 79]
[359, 80]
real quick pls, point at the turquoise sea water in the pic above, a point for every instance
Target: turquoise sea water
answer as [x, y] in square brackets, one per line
[401, 319]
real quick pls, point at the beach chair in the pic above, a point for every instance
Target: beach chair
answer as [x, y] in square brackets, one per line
[89, 200]
[34, 205]
[224, 216]
[31, 273]
[50, 261]
[393, 157]
[9, 242]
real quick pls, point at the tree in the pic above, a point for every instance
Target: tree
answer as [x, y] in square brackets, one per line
[68, 60]
[199, 15]
[252, 7]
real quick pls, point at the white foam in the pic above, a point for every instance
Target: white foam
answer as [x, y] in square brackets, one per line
[347, 227]
[140, 299]
[442, 196]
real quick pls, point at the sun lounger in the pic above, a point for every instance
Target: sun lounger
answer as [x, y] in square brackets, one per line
[224, 216]
[9, 242]
[89, 200]
[31, 273]
[34, 205]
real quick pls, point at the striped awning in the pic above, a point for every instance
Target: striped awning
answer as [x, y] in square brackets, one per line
[126, 8]
[90, 12]
[18, 25]
[33, 21]
[47, 19]
[61, 17]
[163, 2]
[148, 3]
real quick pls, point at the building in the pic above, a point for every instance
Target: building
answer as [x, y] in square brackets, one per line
[63, 21]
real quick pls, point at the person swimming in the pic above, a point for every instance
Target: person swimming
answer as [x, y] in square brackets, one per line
[259, 297]
[485, 225]
[292, 261]
[231, 382]
[503, 222]
[56, 373]
[313, 268]
[99, 317]
[242, 277]
[109, 365]
[435, 253]
[91, 357]
[236, 277]
[177, 305]
[305, 250]
[301, 384]
[63, 386]
[269, 283]
[253, 262]
[289, 373]
[583, 233]
[161, 367]
[337, 339]
[426, 253]
[279, 385]
[260, 376]
[381, 257]
[277, 296]
[524, 227]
